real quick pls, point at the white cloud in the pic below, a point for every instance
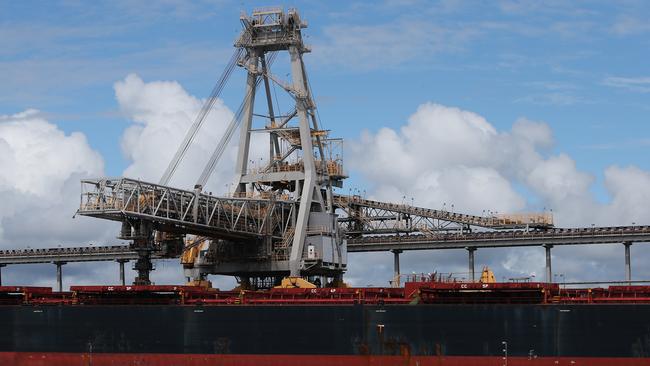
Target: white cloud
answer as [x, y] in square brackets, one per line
[524, 263]
[162, 112]
[557, 178]
[38, 157]
[448, 155]
[629, 188]
[40, 169]
[455, 156]
[636, 84]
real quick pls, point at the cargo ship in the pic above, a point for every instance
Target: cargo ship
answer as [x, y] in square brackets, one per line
[425, 322]
[284, 233]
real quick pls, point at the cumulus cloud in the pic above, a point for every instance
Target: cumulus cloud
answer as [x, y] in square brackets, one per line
[445, 155]
[449, 155]
[38, 157]
[39, 182]
[629, 188]
[456, 156]
[161, 113]
[40, 169]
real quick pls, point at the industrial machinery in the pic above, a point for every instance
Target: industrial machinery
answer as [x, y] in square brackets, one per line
[283, 218]
[280, 220]
[284, 233]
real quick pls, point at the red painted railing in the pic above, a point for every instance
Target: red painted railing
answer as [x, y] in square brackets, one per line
[412, 293]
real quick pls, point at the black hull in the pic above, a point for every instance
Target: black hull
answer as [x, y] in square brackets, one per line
[616, 330]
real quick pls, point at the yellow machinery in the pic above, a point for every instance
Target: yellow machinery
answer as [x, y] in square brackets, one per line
[191, 251]
[200, 283]
[487, 276]
[295, 282]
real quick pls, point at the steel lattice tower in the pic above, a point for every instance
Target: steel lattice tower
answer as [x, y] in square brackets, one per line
[300, 166]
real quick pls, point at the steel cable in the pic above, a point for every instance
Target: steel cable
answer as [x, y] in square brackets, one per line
[225, 139]
[200, 118]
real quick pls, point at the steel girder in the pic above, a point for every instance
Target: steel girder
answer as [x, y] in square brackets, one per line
[185, 212]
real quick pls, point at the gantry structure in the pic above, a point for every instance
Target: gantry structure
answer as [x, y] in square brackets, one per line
[284, 217]
[280, 220]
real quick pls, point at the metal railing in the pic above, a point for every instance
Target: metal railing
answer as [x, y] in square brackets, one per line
[520, 221]
[68, 254]
[176, 210]
[488, 239]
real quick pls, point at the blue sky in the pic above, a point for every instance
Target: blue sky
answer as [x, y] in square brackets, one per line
[578, 66]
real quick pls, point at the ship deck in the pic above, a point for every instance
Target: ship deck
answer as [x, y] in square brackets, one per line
[418, 292]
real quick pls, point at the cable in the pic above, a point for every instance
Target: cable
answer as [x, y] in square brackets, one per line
[230, 130]
[311, 93]
[200, 118]
[275, 94]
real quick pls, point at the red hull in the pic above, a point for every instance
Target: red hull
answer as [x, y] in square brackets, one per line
[122, 359]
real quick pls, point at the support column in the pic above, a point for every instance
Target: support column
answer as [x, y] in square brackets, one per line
[628, 265]
[122, 279]
[470, 252]
[143, 244]
[310, 188]
[396, 279]
[195, 206]
[1, 265]
[549, 272]
[143, 266]
[246, 121]
[59, 275]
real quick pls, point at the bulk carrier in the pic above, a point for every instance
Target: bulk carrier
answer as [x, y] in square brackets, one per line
[426, 322]
[284, 233]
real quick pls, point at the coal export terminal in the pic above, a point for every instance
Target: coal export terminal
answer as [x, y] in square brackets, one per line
[285, 233]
